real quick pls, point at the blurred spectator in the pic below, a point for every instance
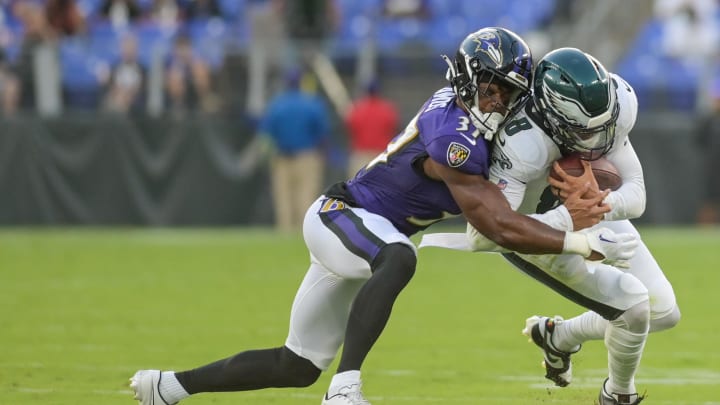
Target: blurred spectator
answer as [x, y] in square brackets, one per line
[188, 79]
[371, 123]
[64, 17]
[264, 64]
[309, 25]
[9, 87]
[567, 12]
[165, 13]
[5, 32]
[120, 13]
[36, 33]
[709, 138]
[297, 124]
[125, 83]
[686, 19]
[201, 9]
[406, 9]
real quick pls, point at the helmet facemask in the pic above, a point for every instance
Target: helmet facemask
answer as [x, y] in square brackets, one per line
[501, 112]
[590, 141]
[489, 61]
[476, 84]
[576, 96]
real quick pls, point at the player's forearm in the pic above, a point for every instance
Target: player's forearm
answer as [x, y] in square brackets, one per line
[557, 218]
[519, 233]
[523, 234]
[492, 216]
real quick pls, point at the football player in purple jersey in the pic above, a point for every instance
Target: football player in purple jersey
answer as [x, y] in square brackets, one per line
[358, 231]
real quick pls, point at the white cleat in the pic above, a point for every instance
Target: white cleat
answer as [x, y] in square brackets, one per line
[348, 395]
[146, 385]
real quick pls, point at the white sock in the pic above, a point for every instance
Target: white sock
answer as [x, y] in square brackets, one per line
[578, 330]
[171, 389]
[625, 349]
[344, 379]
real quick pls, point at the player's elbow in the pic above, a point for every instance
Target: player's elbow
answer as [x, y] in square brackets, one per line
[636, 199]
[627, 203]
[635, 205]
[637, 210]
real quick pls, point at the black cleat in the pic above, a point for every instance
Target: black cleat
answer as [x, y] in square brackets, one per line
[557, 364]
[618, 399]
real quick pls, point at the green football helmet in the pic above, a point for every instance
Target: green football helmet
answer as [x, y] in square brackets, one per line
[576, 97]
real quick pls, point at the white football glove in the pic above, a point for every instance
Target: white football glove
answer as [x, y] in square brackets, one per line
[618, 248]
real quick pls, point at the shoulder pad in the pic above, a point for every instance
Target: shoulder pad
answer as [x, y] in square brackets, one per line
[628, 108]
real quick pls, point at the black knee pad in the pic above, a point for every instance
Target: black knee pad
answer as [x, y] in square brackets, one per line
[398, 257]
[300, 372]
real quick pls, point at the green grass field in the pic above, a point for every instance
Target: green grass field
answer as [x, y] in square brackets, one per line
[81, 310]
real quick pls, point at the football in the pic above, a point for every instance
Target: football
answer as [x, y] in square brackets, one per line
[605, 172]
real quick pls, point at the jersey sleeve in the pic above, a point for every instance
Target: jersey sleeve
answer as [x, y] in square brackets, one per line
[447, 136]
[458, 153]
[629, 200]
[628, 106]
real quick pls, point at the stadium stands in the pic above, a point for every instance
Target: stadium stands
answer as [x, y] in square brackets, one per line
[661, 81]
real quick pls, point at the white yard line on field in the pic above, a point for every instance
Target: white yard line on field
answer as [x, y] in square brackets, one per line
[590, 379]
[384, 398]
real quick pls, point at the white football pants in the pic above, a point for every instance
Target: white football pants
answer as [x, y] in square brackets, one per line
[343, 241]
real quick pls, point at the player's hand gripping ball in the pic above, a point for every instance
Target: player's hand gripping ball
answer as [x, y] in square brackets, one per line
[605, 172]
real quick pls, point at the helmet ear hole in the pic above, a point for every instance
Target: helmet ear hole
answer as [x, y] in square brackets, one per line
[465, 89]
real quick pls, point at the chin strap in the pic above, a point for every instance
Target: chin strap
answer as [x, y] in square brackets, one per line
[490, 122]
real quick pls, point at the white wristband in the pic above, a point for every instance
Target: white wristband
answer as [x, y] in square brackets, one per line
[576, 243]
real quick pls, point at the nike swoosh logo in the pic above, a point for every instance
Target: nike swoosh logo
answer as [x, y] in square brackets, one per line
[605, 240]
[472, 141]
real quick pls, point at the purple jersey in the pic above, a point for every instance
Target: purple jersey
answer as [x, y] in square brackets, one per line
[393, 184]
